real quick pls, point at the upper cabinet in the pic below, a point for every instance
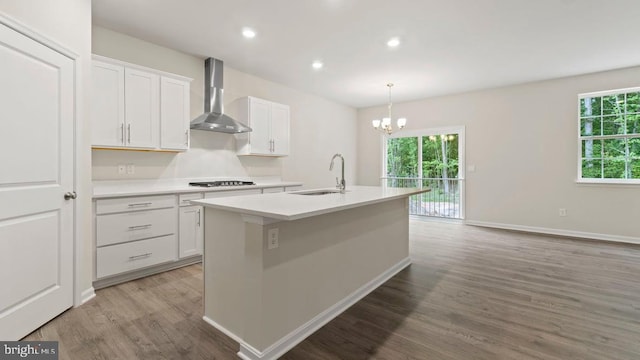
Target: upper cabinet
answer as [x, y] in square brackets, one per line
[141, 108]
[270, 124]
[138, 108]
[174, 114]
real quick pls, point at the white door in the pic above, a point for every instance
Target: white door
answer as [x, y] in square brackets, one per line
[260, 123]
[107, 104]
[191, 231]
[174, 114]
[142, 111]
[280, 129]
[36, 153]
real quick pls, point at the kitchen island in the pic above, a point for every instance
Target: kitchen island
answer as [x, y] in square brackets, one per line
[279, 266]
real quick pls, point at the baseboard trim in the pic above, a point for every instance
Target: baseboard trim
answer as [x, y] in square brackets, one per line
[87, 295]
[222, 329]
[277, 349]
[558, 232]
[151, 270]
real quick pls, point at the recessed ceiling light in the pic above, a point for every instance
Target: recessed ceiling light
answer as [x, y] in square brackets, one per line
[248, 33]
[393, 42]
[317, 65]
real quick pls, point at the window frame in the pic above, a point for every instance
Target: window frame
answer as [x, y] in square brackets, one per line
[581, 138]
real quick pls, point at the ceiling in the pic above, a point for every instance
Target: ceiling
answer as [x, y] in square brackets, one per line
[446, 47]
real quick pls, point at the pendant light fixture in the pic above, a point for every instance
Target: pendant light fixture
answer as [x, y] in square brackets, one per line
[384, 125]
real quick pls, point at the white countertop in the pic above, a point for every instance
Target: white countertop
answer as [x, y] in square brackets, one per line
[118, 188]
[292, 206]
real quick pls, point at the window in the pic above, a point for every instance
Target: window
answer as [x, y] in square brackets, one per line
[610, 136]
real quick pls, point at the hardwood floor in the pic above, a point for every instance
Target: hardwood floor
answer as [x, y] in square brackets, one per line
[471, 293]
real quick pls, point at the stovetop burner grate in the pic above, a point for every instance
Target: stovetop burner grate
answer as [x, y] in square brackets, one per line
[221, 183]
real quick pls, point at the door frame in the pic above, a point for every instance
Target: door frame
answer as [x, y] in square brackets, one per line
[460, 130]
[79, 296]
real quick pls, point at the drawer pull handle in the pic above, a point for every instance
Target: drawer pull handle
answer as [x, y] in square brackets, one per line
[140, 204]
[138, 257]
[138, 227]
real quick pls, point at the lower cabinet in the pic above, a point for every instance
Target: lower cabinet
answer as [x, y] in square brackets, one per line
[191, 231]
[116, 259]
[134, 233]
[141, 235]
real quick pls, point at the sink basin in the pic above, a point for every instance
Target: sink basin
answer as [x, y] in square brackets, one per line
[316, 192]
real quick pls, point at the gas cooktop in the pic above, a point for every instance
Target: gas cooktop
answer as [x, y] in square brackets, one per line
[222, 183]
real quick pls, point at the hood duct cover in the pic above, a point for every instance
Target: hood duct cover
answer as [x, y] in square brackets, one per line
[214, 118]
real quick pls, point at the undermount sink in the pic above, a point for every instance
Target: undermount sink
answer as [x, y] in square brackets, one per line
[316, 192]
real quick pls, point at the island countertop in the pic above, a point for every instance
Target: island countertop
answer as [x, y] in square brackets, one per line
[293, 205]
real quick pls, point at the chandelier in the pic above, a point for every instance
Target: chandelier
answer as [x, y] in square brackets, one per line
[384, 125]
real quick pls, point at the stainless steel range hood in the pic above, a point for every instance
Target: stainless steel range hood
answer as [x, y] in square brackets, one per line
[214, 118]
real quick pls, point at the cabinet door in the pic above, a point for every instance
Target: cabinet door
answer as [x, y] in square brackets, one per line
[174, 114]
[191, 231]
[107, 105]
[260, 122]
[280, 129]
[142, 92]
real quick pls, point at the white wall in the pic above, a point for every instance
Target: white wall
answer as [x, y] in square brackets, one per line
[68, 23]
[319, 128]
[523, 142]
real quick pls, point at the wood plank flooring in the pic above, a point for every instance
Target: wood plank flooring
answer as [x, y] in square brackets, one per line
[471, 293]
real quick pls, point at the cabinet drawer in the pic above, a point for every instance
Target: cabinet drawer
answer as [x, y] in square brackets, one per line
[115, 259]
[272, 190]
[217, 194]
[107, 206]
[184, 199]
[134, 225]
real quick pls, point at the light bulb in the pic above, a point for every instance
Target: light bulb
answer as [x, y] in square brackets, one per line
[248, 33]
[375, 123]
[393, 42]
[402, 122]
[386, 122]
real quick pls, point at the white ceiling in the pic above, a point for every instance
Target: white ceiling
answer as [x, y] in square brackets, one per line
[448, 46]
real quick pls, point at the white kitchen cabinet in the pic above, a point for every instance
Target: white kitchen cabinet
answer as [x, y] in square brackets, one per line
[138, 108]
[279, 129]
[134, 233]
[121, 258]
[107, 104]
[270, 124]
[191, 231]
[174, 114]
[141, 108]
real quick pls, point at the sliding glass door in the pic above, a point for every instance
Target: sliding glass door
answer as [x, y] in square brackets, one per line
[432, 158]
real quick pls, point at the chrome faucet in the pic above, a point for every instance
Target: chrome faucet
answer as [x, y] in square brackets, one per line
[340, 184]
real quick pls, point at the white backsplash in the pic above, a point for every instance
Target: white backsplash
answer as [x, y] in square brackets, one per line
[211, 155]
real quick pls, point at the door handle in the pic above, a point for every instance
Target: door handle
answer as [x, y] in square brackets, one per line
[129, 133]
[70, 195]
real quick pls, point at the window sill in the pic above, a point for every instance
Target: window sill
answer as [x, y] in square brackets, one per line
[608, 182]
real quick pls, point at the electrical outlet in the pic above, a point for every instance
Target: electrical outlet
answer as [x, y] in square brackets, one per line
[122, 169]
[562, 212]
[272, 238]
[131, 169]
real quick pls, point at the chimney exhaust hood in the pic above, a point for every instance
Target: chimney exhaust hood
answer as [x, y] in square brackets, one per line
[214, 118]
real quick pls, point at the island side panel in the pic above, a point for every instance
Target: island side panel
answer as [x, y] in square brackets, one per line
[322, 260]
[225, 287]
